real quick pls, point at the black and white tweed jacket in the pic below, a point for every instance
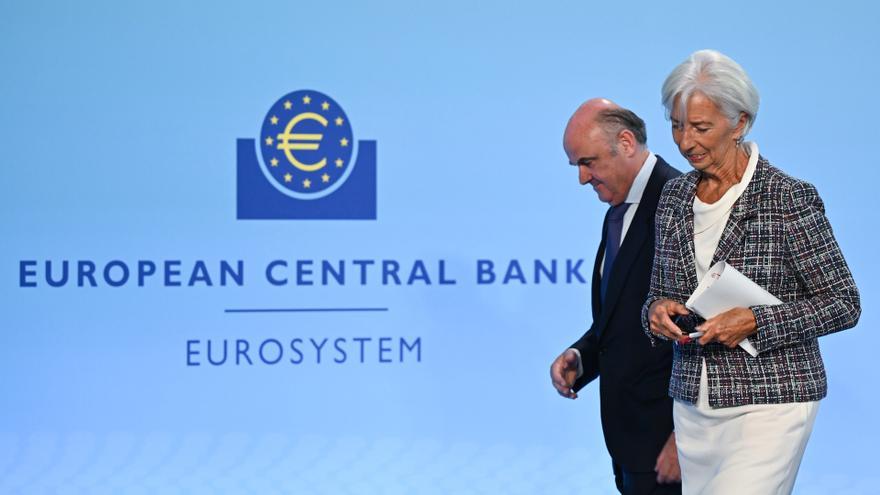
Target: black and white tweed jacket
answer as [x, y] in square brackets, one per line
[778, 236]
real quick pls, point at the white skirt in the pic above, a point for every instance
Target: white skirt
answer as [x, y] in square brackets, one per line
[754, 449]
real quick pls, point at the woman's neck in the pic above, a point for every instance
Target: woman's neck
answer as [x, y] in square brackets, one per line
[716, 181]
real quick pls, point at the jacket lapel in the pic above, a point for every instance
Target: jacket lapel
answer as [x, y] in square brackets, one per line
[743, 210]
[636, 236]
[597, 272]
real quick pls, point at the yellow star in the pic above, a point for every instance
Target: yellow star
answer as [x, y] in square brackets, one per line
[325, 178]
[288, 177]
[306, 99]
[274, 162]
[269, 141]
[274, 120]
[325, 106]
[287, 105]
[307, 183]
[343, 142]
[339, 162]
[339, 121]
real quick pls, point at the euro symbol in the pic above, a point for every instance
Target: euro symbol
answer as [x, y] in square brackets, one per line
[289, 141]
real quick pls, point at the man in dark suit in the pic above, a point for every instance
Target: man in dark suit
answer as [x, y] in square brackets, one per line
[608, 145]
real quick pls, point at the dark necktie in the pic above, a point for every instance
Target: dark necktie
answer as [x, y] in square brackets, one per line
[612, 242]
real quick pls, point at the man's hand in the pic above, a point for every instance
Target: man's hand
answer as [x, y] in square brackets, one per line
[563, 373]
[660, 316]
[729, 328]
[667, 468]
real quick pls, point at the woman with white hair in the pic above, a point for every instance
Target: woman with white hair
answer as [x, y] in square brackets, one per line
[741, 422]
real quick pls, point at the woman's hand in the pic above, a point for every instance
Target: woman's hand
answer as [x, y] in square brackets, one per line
[660, 316]
[729, 328]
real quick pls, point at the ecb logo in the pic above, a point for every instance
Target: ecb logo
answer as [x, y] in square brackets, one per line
[311, 167]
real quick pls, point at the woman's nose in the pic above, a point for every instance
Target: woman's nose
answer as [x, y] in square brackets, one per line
[687, 140]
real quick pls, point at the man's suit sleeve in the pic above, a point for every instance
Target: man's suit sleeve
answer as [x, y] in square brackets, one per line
[589, 351]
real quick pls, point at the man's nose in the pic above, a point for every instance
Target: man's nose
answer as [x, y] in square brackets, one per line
[584, 174]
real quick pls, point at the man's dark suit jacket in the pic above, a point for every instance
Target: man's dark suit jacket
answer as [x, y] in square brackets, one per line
[633, 389]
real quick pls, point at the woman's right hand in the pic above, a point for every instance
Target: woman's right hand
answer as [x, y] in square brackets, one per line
[660, 316]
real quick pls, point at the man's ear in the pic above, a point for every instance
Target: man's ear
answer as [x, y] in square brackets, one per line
[627, 143]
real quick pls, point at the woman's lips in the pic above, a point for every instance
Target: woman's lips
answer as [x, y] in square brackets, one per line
[696, 157]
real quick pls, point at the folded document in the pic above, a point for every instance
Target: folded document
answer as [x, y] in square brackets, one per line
[724, 288]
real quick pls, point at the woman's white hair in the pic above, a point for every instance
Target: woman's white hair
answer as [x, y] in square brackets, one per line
[720, 79]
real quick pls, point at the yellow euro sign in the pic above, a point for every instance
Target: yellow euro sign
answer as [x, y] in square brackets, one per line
[289, 141]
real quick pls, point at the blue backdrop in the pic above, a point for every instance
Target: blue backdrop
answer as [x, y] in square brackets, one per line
[119, 127]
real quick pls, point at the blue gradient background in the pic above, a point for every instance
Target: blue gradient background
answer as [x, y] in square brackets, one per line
[118, 124]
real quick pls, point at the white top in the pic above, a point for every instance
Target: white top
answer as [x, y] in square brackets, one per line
[711, 218]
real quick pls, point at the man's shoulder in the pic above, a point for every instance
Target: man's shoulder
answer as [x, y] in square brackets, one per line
[661, 177]
[665, 171]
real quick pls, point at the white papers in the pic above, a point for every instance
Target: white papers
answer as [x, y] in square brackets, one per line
[724, 288]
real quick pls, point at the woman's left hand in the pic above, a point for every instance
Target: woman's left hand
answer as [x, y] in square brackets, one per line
[728, 328]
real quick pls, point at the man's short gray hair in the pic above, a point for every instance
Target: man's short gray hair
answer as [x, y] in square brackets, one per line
[720, 79]
[617, 119]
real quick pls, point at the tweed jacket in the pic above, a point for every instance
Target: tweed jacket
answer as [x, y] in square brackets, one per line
[778, 236]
